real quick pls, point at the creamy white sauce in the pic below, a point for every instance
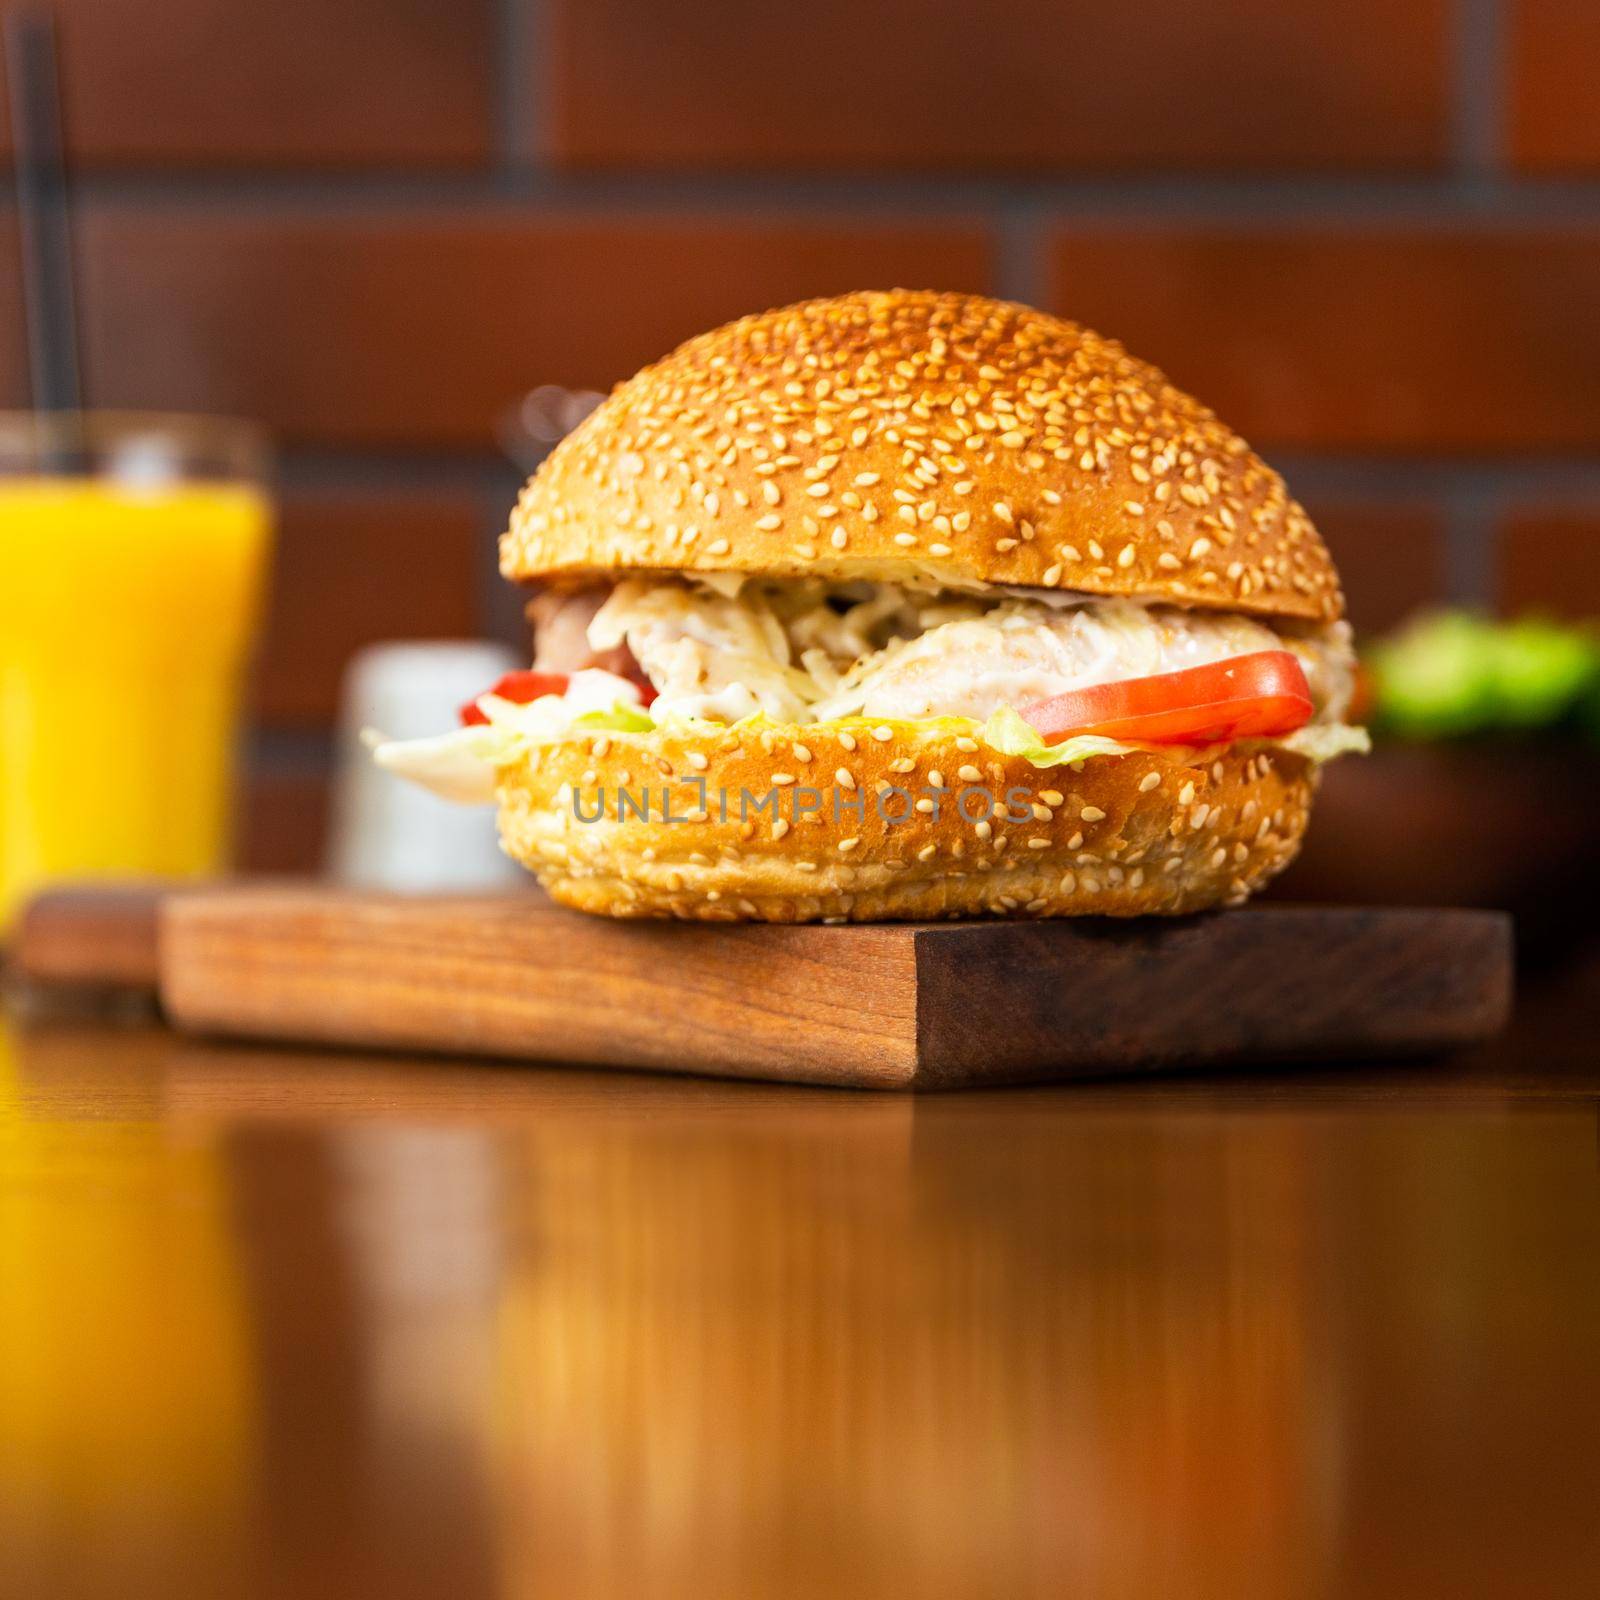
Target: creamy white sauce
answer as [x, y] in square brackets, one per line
[726, 649]
[895, 652]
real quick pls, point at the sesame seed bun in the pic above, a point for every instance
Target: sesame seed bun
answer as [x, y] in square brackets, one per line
[1151, 832]
[952, 436]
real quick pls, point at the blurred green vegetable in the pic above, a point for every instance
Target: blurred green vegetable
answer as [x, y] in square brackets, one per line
[1449, 673]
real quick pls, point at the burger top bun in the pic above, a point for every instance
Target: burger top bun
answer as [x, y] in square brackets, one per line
[898, 434]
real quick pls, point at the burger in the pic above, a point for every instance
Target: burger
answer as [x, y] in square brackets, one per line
[906, 605]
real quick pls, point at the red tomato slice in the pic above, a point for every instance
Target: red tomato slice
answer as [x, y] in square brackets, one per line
[525, 686]
[520, 687]
[1257, 696]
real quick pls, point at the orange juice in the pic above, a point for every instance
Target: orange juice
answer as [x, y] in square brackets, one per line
[126, 613]
[127, 1384]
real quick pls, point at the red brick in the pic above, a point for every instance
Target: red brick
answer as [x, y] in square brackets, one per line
[1029, 84]
[13, 338]
[1553, 67]
[1390, 556]
[420, 328]
[271, 82]
[283, 820]
[1550, 562]
[1358, 338]
[353, 569]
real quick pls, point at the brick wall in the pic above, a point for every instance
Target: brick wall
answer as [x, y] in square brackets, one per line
[1368, 231]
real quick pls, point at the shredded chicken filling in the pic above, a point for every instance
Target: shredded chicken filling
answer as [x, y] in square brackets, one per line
[812, 651]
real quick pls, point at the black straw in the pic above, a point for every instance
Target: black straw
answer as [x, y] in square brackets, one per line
[42, 210]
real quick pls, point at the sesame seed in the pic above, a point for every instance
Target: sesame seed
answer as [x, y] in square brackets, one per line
[904, 539]
[935, 778]
[1092, 814]
[882, 733]
[984, 829]
[1052, 797]
[847, 739]
[1038, 844]
[925, 806]
[846, 845]
[1042, 813]
[902, 764]
[966, 744]
[969, 774]
[1003, 512]
[1218, 856]
[780, 827]
[927, 852]
[1186, 794]
[844, 777]
[697, 761]
[944, 381]
[781, 778]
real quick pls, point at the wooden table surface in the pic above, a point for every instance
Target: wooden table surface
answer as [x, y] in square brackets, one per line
[279, 1324]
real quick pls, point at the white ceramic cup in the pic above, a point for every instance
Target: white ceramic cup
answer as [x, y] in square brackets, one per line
[390, 834]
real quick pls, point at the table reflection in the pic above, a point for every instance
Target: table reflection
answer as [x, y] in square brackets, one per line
[425, 1329]
[128, 1396]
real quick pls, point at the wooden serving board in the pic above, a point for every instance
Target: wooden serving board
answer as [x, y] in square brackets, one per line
[882, 1005]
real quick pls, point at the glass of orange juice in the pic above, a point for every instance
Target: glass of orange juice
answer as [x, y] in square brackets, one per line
[132, 561]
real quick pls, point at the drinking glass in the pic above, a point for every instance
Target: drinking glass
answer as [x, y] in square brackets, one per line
[133, 551]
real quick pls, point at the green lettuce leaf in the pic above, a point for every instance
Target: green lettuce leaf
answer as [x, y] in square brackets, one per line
[1006, 732]
[1319, 742]
[619, 719]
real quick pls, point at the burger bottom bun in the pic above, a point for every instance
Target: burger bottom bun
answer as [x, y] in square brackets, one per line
[783, 823]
